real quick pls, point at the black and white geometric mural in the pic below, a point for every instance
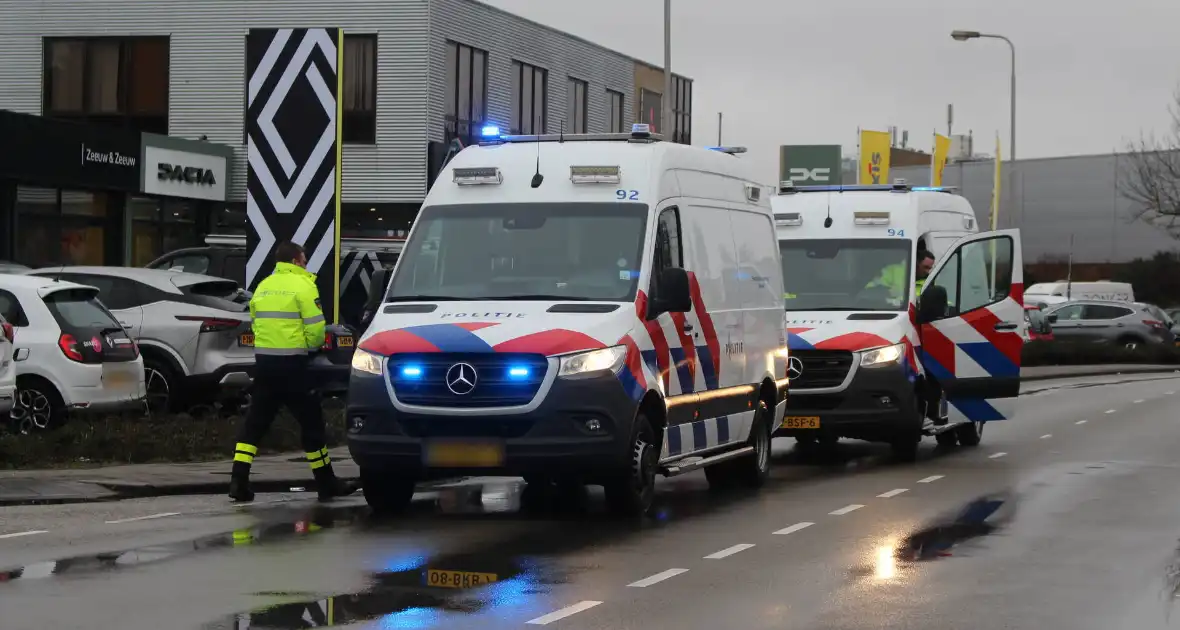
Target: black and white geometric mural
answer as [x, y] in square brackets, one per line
[291, 118]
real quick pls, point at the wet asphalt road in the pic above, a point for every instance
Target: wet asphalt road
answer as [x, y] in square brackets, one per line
[1068, 517]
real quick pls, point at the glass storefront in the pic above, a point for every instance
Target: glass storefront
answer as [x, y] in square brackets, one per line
[161, 225]
[62, 227]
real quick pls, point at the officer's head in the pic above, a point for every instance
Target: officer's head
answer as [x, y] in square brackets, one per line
[925, 264]
[288, 252]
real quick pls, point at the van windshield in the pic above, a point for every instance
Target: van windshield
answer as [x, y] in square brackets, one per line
[523, 251]
[846, 274]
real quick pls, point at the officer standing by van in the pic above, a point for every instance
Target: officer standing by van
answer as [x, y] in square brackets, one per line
[288, 327]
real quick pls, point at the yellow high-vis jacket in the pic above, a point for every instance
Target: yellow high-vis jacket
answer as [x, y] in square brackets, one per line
[286, 311]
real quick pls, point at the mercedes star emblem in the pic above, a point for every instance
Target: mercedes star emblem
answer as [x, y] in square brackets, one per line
[461, 379]
[794, 367]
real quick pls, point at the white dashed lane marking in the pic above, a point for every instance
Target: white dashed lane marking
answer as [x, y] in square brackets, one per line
[794, 528]
[891, 493]
[996, 455]
[657, 578]
[563, 613]
[1136, 402]
[33, 532]
[1046, 436]
[846, 509]
[1110, 410]
[1169, 393]
[1080, 422]
[930, 479]
[143, 518]
[725, 553]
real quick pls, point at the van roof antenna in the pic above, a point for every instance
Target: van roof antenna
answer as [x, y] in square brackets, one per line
[538, 178]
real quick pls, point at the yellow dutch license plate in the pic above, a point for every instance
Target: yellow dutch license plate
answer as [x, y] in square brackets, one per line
[458, 579]
[246, 339]
[344, 342]
[117, 378]
[464, 454]
[801, 422]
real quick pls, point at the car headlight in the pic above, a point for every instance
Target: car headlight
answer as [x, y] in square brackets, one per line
[367, 362]
[586, 363]
[879, 357]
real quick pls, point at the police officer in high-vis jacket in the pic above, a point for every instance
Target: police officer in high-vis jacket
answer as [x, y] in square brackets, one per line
[288, 331]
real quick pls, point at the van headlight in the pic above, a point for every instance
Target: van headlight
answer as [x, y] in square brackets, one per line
[586, 363]
[880, 357]
[367, 362]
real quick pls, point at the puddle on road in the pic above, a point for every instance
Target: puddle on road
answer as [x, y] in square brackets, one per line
[981, 517]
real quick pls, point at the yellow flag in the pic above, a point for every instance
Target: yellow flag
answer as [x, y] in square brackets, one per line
[942, 152]
[995, 209]
[873, 163]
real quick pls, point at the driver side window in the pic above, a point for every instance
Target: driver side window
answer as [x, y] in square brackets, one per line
[976, 275]
[668, 252]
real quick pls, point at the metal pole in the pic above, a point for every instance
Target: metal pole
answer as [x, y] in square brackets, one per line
[719, 129]
[1012, 139]
[666, 123]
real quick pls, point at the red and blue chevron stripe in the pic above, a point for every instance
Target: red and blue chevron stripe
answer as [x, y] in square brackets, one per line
[461, 338]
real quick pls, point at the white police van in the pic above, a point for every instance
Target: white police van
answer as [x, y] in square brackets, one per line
[592, 309]
[874, 362]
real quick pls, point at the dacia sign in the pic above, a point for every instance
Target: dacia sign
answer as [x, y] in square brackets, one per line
[173, 167]
[810, 164]
[187, 174]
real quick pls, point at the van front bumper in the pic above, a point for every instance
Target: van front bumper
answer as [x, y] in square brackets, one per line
[879, 404]
[552, 439]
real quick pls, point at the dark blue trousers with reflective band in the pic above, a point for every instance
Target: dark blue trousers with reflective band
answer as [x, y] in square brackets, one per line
[283, 381]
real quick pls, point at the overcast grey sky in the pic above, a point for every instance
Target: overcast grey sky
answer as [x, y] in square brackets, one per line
[1090, 75]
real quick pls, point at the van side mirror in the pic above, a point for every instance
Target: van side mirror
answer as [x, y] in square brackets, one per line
[932, 304]
[673, 293]
[377, 284]
[1052, 319]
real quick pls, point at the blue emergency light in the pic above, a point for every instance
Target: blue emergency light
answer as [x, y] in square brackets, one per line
[517, 373]
[411, 371]
[490, 131]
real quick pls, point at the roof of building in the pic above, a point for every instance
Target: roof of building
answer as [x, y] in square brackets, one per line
[572, 36]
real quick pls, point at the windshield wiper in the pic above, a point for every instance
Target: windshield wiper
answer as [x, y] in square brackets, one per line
[536, 297]
[425, 298]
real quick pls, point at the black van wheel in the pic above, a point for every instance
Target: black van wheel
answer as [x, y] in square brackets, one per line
[386, 493]
[751, 471]
[633, 492]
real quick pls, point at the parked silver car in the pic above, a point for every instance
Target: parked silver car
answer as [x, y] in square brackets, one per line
[189, 327]
[1127, 324]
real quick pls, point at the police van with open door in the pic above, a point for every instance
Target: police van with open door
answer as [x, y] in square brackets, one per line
[574, 309]
[870, 359]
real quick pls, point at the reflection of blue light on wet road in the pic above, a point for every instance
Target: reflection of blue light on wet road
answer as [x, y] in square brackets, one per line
[407, 561]
[412, 619]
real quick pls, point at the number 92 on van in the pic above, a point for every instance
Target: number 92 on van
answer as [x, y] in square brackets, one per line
[627, 195]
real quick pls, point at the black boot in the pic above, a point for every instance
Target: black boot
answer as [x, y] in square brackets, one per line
[329, 486]
[239, 489]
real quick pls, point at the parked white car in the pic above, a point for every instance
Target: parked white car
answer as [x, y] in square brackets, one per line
[69, 352]
[7, 369]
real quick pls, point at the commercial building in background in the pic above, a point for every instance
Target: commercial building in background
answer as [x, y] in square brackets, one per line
[648, 94]
[102, 195]
[1057, 198]
[419, 79]
[810, 164]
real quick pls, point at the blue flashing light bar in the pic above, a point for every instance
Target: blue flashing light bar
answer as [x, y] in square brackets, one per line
[411, 371]
[518, 372]
[490, 131]
[848, 188]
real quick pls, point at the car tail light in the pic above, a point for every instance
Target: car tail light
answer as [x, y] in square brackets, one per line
[9, 332]
[1154, 323]
[211, 324]
[69, 347]
[327, 341]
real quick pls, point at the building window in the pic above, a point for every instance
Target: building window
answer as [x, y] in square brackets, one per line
[467, 92]
[614, 108]
[360, 90]
[681, 110]
[62, 226]
[160, 226]
[530, 108]
[651, 109]
[576, 106]
[115, 81]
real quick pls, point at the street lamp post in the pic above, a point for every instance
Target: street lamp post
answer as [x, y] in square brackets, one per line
[666, 113]
[963, 36]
